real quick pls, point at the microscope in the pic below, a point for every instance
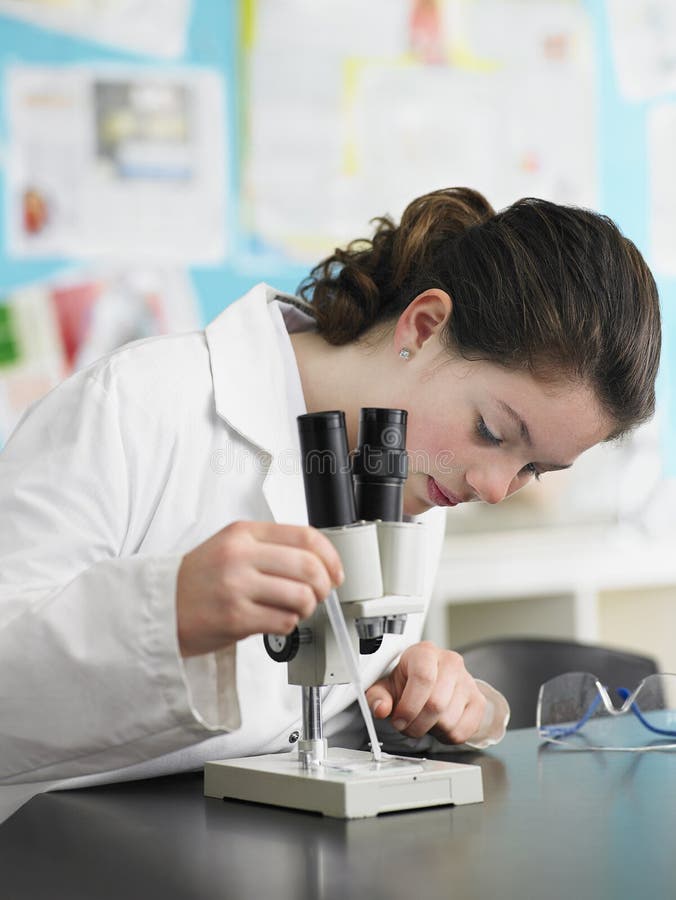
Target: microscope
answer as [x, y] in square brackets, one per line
[358, 504]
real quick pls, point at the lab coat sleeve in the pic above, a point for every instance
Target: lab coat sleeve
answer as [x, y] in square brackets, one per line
[90, 672]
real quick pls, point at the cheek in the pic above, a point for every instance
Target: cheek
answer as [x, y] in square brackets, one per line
[433, 448]
[416, 500]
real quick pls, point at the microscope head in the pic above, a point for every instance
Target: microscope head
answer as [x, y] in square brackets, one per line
[358, 504]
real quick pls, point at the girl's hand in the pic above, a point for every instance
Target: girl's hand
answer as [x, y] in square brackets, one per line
[429, 690]
[251, 578]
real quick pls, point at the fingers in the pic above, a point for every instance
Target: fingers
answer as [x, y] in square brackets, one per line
[421, 701]
[304, 538]
[458, 730]
[256, 603]
[287, 569]
[299, 565]
[262, 619]
[437, 695]
[380, 698]
[283, 594]
[252, 577]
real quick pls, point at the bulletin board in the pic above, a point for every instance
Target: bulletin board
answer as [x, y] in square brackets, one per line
[310, 119]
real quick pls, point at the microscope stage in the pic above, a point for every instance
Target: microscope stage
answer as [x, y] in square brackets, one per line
[348, 785]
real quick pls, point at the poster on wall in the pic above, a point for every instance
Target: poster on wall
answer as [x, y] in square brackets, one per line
[149, 27]
[399, 97]
[54, 327]
[116, 162]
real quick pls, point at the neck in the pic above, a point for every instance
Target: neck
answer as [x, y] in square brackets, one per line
[338, 377]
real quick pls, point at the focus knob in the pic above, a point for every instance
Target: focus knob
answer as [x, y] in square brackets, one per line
[282, 647]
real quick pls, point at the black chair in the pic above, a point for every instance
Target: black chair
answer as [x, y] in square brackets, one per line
[518, 666]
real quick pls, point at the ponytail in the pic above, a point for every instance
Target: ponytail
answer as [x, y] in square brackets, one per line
[370, 281]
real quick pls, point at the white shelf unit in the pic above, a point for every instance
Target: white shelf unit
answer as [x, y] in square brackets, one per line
[557, 582]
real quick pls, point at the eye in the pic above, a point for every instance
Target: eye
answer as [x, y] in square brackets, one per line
[486, 434]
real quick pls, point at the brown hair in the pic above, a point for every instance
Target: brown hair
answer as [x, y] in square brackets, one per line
[556, 290]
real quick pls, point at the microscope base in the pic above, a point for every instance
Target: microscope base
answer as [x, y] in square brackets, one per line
[349, 785]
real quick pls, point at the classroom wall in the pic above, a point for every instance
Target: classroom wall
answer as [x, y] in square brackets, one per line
[226, 38]
[212, 42]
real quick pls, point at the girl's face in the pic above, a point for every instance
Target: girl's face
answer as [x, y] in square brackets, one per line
[477, 431]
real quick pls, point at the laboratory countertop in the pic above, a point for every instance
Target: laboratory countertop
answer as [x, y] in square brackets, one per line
[554, 824]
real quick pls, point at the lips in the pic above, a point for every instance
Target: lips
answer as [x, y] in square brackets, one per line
[438, 495]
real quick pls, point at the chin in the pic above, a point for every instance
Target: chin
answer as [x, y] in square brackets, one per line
[416, 507]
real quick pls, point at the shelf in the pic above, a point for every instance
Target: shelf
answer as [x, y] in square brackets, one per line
[553, 561]
[575, 563]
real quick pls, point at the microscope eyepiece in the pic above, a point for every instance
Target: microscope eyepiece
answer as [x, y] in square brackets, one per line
[380, 464]
[379, 467]
[327, 474]
[383, 427]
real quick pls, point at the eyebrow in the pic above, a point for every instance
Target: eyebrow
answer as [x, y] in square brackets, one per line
[526, 436]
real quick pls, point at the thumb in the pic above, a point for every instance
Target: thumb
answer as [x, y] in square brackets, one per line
[380, 698]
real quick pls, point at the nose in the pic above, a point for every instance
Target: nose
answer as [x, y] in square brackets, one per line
[490, 484]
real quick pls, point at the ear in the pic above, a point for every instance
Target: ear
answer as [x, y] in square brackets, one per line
[423, 318]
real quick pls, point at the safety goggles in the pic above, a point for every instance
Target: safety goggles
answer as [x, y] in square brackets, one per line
[579, 712]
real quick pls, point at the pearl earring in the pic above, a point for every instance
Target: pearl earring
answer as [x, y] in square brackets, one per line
[405, 353]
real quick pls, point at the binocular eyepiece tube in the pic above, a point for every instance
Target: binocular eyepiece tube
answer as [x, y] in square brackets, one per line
[341, 491]
[369, 487]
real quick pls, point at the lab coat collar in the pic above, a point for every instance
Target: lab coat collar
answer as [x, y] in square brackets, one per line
[244, 350]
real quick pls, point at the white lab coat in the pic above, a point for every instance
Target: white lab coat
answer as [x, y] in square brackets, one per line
[104, 486]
